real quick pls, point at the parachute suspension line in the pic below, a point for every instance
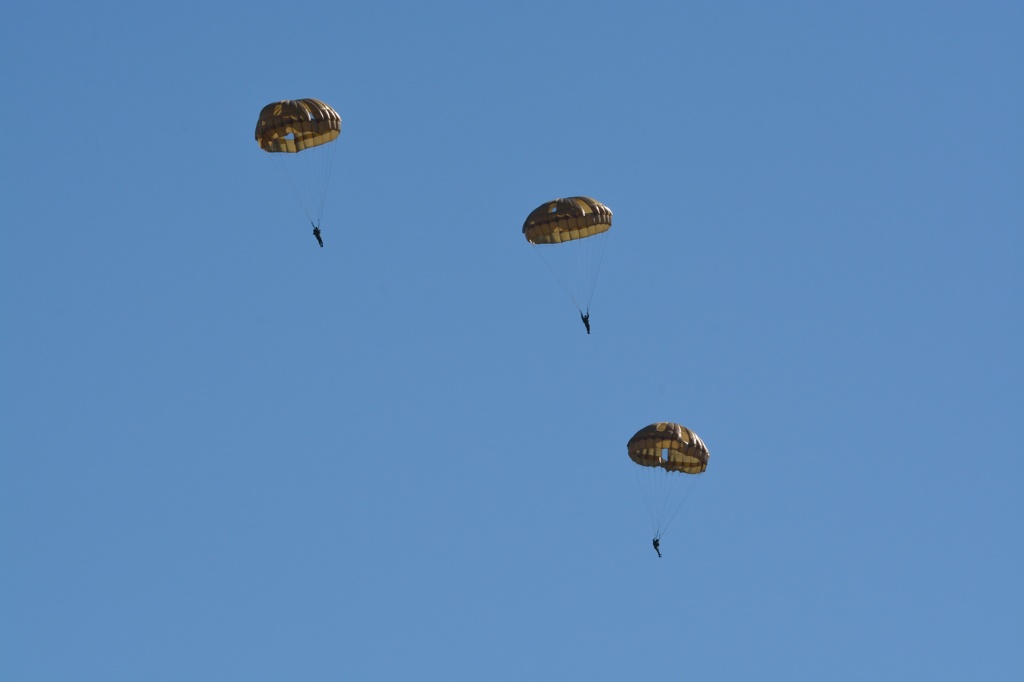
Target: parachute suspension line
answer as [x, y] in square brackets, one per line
[559, 276]
[282, 167]
[318, 174]
[596, 263]
[664, 493]
[663, 486]
[582, 251]
[582, 259]
[325, 174]
[648, 503]
[679, 501]
[575, 265]
[308, 174]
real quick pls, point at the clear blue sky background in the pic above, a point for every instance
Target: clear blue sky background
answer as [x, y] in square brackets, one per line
[228, 454]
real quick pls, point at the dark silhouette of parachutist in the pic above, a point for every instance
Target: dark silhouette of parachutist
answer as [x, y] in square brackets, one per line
[586, 320]
[316, 233]
[657, 545]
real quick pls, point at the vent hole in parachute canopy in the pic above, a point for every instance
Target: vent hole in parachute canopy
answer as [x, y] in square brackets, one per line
[664, 454]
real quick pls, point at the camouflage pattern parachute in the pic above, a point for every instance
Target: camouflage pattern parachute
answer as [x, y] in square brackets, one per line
[570, 236]
[300, 136]
[669, 446]
[670, 457]
[295, 125]
[564, 220]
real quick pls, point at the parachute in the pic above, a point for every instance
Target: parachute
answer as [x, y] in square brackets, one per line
[300, 135]
[670, 457]
[570, 237]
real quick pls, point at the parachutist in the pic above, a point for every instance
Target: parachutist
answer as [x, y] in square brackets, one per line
[586, 320]
[657, 545]
[316, 233]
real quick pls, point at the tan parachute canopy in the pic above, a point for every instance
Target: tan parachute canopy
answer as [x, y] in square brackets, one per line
[294, 125]
[669, 446]
[563, 220]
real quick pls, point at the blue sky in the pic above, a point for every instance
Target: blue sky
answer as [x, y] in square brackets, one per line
[228, 454]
